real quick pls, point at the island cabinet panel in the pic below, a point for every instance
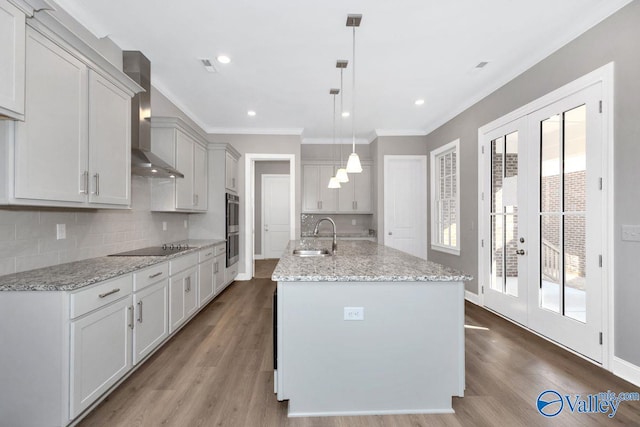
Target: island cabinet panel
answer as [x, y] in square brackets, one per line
[405, 356]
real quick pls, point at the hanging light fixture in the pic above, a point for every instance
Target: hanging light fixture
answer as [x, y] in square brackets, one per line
[353, 165]
[341, 174]
[333, 182]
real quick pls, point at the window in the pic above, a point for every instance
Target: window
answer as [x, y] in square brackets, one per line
[445, 198]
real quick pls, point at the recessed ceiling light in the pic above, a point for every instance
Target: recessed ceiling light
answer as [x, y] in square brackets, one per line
[419, 102]
[251, 113]
[345, 114]
[154, 170]
[223, 59]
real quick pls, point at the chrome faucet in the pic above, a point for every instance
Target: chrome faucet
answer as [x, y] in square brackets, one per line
[334, 245]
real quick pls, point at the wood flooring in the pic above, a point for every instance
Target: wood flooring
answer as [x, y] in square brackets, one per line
[217, 371]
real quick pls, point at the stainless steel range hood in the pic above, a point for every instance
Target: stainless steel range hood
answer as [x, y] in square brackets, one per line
[143, 161]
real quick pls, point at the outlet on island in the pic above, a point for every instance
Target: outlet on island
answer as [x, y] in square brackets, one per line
[354, 313]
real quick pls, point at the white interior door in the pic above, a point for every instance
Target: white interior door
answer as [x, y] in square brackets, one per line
[505, 158]
[405, 204]
[275, 214]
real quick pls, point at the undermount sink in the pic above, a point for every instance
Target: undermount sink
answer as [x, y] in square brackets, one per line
[311, 252]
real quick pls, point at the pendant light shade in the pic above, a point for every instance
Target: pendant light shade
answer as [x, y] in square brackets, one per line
[334, 183]
[342, 176]
[353, 164]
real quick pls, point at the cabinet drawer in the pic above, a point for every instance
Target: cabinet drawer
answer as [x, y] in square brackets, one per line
[99, 295]
[206, 254]
[182, 263]
[148, 276]
[220, 250]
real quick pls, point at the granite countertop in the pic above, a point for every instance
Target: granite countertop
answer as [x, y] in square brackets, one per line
[360, 261]
[75, 275]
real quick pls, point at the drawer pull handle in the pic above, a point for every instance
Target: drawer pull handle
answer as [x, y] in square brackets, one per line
[111, 292]
[139, 311]
[159, 273]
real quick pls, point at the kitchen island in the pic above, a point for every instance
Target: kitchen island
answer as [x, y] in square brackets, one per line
[369, 330]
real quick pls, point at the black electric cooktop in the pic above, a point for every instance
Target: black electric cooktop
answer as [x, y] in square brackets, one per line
[164, 250]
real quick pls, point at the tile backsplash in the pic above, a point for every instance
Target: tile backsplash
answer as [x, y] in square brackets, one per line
[344, 224]
[28, 235]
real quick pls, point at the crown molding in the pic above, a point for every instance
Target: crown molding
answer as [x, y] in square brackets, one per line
[400, 132]
[330, 141]
[254, 131]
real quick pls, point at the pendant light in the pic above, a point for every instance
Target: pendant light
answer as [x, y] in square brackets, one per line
[353, 165]
[333, 182]
[341, 174]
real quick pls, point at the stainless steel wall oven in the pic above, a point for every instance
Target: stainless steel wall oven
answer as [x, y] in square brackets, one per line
[233, 228]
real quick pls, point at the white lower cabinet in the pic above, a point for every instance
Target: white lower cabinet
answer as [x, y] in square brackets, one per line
[219, 267]
[100, 352]
[206, 279]
[183, 290]
[151, 325]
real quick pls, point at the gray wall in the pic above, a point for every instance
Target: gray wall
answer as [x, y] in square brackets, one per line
[261, 144]
[267, 167]
[329, 152]
[615, 39]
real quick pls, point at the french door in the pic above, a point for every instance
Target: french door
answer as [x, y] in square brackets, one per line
[543, 231]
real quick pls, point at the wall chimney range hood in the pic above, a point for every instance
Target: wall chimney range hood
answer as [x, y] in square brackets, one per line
[143, 161]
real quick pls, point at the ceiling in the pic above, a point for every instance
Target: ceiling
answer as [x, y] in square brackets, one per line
[283, 56]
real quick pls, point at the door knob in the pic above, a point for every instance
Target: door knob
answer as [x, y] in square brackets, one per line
[520, 251]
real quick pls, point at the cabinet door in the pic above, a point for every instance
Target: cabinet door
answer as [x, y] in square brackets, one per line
[206, 281]
[310, 188]
[184, 163]
[363, 187]
[200, 177]
[183, 297]
[218, 272]
[12, 52]
[231, 173]
[51, 144]
[346, 191]
[328, 196]
[151, 307]
[100, 352]
[109, 142]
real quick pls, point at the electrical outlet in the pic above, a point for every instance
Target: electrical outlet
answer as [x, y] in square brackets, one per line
[186, 223]
[354, 313]
[164, 225]
[61, 231]
[353, 222]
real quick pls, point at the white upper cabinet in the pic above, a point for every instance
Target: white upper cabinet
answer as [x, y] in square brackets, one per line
[179, 145]
[231, 172]
[109, 142]
[317, 197]
[73, 148]
[355, 196]
[51, 157]
[12, 52]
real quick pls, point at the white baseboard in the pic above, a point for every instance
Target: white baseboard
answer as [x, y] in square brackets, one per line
[471, 297]
[626, 370]
[243, 277]
[258, 256]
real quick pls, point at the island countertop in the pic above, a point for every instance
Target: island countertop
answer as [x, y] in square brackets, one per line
[359, 261]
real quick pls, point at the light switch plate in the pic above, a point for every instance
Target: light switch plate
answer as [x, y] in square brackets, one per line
[631, 233]
[164, 225]
[61, 231]
[354, 313]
